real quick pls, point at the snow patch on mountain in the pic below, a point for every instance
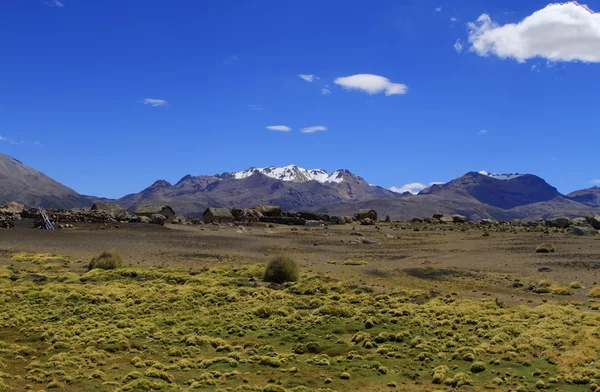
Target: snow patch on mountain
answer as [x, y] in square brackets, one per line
[292, 173]
[504, 177]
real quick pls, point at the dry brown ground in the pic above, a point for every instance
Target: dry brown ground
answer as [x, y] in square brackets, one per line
[446, 261]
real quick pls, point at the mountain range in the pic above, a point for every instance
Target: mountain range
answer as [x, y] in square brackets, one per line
[476, 194]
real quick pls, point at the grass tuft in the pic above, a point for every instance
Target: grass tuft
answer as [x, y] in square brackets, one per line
[355, 262]
[281, 269]
[106, 260]
[545, 248]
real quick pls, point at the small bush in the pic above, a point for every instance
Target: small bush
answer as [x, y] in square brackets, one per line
[545, 248]
[478, 367]
[575, 285]
[106, 260]
[281, 269]
[594, 292]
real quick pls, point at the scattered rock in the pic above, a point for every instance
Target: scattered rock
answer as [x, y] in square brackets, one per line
[179, 220]
[367, 222]
[579, 222]
[583, 231]
[560, 223]
[594, 221]
[357, 233]
[459, 218]
[544, 269]
[445, 219]
[158, 219]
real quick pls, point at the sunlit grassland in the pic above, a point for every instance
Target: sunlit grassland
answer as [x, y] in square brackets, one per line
[218, 329]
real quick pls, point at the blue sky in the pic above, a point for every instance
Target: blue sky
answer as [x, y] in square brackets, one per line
[440, 97]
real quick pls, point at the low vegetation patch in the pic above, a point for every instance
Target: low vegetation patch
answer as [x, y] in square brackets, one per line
[40, 258]
[106, 261]
[133, 329]
[281, 269]
[355, 262]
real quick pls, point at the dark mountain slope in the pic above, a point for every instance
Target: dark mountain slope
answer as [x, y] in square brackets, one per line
[23, 184]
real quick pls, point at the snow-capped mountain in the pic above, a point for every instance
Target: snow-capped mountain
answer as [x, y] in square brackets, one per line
[291, 173]
[505, 176]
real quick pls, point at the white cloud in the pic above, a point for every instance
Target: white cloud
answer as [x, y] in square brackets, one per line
[255, 107]
[325, 91]
[458, 46]
[317, 128]
[436, 183]
[453, 19]
[308, 78]
[155, 102]
[8, 140]
[558, 32]
[371, 84]
[230, 60]
[595, 182]
[413, 187]
[55, 3]
[279, 128]
[483, 131]
[438, 9]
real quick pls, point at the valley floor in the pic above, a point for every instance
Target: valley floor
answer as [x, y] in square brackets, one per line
[382, 307]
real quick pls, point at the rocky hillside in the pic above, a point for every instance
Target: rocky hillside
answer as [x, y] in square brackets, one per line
[590, 196]
[475, 195]
[292, 189]
[502, 191]
[19, 182]
[484, 195]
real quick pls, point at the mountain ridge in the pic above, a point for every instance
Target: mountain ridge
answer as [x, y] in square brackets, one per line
[474, 194]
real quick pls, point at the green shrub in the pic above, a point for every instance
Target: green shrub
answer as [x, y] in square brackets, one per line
[106, 260]
[281, 269]
[478, 367]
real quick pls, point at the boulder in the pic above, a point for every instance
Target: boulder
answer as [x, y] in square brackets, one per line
[446, 219]
[121, 215]
[594, 221]
[158, 219]
[579, 222]
[12, 208]
[179, 220]
[487, 222]
[139, 219]
[367, 222]
[459, 218]
[516, 222]
[560, 223]
[272, 211]
[314, 223]
[583, 230]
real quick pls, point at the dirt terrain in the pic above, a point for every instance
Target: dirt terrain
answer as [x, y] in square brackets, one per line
[503, 264]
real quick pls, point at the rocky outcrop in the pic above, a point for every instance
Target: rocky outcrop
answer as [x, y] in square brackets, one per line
[560, 223]
[594, 221]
